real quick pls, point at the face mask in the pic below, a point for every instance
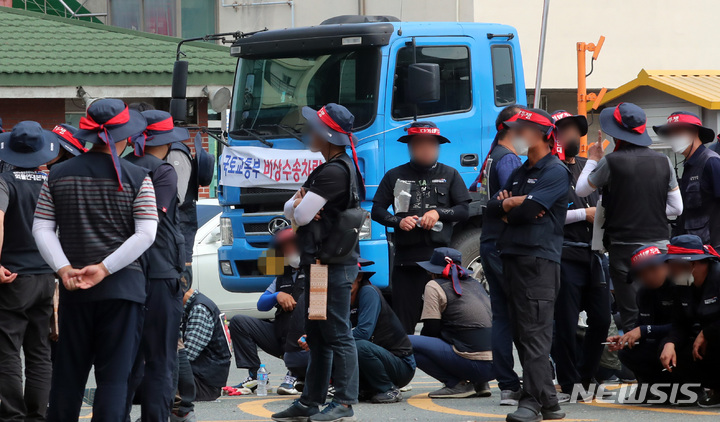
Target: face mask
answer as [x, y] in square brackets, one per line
[680, 143]
[572, 148]
[293, 260]
[684, 279]
[520, 145]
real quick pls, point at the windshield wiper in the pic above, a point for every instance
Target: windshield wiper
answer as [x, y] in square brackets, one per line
[254, 134]
[287, 129]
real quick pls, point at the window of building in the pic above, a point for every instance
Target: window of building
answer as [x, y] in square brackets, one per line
[154, 16]
[503, 74]
[455, 86]
[198, 18]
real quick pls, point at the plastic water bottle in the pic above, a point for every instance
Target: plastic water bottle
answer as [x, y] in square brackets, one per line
[262, 379]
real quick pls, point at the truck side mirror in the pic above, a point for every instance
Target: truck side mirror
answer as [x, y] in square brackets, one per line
[178, 103]
[423, 83]
[469, 160]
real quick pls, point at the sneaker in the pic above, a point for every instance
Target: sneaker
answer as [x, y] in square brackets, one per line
[406, 388]
[710, 399]
[188, 417]
[249, 383]
[482, 390]
[335, 412]
[331, 391]
[462, 390]
[390, 396]
[563, 397]
[297, 412]
[287, 388]
[510, 397]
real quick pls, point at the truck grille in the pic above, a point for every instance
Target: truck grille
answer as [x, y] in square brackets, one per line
[264, 200]
[256, 229]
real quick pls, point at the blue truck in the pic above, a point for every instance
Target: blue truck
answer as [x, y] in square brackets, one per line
[387, 72]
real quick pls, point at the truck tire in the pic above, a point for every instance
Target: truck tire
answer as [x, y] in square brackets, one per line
[468, 243]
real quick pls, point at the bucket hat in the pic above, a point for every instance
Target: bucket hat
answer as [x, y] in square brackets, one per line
[627, 122]
[685, 119]
[423, 128]
[66, 137]
[688, 247]
[446, 261]
[562, 117]
[28, 145]
[160, 130]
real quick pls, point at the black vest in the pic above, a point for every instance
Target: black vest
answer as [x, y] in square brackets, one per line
[213, 363]
[700, 207]
[166, 256]
[19, 251]
[492, 227]
[187, 209]
[291, 282]
[581, 231]
[636, 196]
[94, 218]
[466, 322]
[389, 333]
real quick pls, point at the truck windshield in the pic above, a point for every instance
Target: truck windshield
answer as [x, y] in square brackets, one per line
[270, 93]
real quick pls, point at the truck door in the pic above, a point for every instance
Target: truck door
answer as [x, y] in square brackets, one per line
[457, 113]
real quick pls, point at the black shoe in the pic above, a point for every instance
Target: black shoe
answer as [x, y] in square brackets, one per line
[390, 396]
[335, 412]
[551, 413]
[483, 390]
[523, 414]
[710, 399]
[298, 412]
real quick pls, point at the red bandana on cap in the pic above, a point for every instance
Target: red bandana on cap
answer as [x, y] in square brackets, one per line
[423, 131]
[681, 118]
[541, 120]
[67, 135]
[707, 250]
[645, 253]
[87, 123]
[162, 126]
[325, 118]
[454, 272]
[618, 118]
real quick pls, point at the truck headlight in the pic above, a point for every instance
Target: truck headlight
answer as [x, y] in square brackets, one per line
[226, 231]
[366, 229]
[226, 268]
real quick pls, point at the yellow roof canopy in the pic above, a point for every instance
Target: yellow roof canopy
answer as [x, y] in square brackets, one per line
[701, 87]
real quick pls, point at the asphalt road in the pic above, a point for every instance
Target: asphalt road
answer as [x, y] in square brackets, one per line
[418, 407]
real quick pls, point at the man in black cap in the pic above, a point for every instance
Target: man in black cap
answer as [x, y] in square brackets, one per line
[583, 285]
[639, 193]
[70, 145]
[640, 347]
[437, 197]
[455, 344]
[104, 209]
[385, 355]
[700, 182]
[692, 348]
[27, 283]
[533, 203]
[332, 188]
[151, 381]
[495, 171]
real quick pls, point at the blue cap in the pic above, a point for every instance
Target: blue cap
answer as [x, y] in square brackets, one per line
[28, 145]
[626, 122]
[688, 247]
[332, 122]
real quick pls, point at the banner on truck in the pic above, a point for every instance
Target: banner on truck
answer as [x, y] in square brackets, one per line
[267, 167]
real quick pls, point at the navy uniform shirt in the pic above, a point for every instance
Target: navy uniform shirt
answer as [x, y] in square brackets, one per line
[547, 183]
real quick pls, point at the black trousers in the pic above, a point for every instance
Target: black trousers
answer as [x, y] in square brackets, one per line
[151, 381]
[408, 287]
[25, 310]
[380, 370]
[531, 285]
[248, 333]
[205, 391]
[105, 334]
[580, 290]
[185, 395]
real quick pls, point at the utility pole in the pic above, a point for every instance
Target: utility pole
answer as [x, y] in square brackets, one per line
[541, 54]
[582, 96]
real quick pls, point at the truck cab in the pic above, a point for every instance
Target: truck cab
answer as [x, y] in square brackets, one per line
[365, 64]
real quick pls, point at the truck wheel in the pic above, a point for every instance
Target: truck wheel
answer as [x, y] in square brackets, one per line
[468, 243]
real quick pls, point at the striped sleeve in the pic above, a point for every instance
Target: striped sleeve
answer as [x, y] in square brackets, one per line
[144, 206]
[45, 207]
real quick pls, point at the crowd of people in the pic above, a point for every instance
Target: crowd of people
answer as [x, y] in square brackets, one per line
[562, 235]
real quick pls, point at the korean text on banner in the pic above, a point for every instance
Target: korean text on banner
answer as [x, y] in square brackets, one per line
[267, 167]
